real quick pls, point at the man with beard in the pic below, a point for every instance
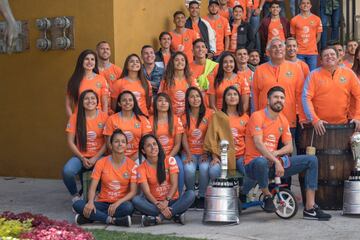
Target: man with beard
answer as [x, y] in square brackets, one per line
[221, 27]
[262, 155]
[254, 59]
[327, 92]
[202, 27]
[350, 56]
[291, 55]
[108, 70]
[152, 72]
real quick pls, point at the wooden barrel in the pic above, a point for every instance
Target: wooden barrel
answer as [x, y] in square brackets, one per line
[333, 151]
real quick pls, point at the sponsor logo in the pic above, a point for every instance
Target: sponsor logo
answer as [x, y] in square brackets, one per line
[271, 138]
[186, 39]
[306, 29]
[98, 84]
[91, 135]
[312, 22]
[101, 125]
[342, 80]
[234, 132]
[205, 121]
[242, 122]
[112, 77]
[126, 175]
[137, 125]
[289, 74]
[257, 128]
[179, 95]
[196, 133]
[281, 130]
[129, 136]
[164, 140]
[219, 26]
[172, 161]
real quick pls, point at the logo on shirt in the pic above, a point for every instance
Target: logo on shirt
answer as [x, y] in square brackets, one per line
[342, 80]
[172, 161]
[219, 26]
[98, 84]
[126, 175]
[242, 122]
[196, 133]
[186, 39]
[205, 121]
[137, 125]
[112, 77]
[129, 136]
[312, 22]
[164, 140]
[234, 132]
[100, 125]
[257, 128]
[281, 130]
[306, 29]
[289, 74]
[179, 95]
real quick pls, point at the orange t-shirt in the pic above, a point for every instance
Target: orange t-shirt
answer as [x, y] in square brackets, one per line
[111, 73]
[162, 133]
[275, 30]
[98, 84]
[287, 75]
[136, 88]
[146, 173]
[166, 58]
[196, 135]
[184, 42]
[247, 75]
[94, 132]
[244, 3]
[238, 129]
[327, 96]
[304, 67]
[224, 13]
[197, 70]
[177, 95]
[222, 29]
[133, 129]
[270, 130]
[305, 31]
[237, 81]
[115, 183]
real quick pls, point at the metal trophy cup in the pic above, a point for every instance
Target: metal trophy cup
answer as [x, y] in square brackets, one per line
[352, 186]
[221, 198]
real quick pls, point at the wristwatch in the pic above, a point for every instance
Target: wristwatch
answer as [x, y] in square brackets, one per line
[168, 198]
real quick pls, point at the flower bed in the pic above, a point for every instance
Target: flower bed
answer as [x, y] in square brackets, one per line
[38, 227]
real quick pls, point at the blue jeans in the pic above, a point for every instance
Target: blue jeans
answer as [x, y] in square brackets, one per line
[335, 24]
[71, 169]
[258, 169]
[311, 60]
[177, 206]
[255, 23]
[266, 9]
[101, 215]
[248, 183]
[181, 177]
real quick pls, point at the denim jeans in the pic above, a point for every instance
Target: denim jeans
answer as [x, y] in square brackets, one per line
[266, 9]
[311, 60]
[258, 169]
[248, 183]
[71, 169]
[126, 208]
[335, 24]
[181, 175]
[177, 206]
[255, 24]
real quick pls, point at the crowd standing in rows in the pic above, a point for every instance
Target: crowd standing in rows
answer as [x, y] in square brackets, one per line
[142, 128]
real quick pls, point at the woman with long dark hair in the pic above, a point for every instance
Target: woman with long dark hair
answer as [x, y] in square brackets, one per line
[225, 77]
[196, 121]
[85, 139]
[158, 179]
[130, 119]
[117, 175]
[133, 79]
[177, 80]
[169, 130]
[86, 76]
[233, 107]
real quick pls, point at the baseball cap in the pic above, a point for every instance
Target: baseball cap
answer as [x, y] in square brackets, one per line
[214, 1]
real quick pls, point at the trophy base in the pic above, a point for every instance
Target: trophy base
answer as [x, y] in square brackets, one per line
[351, 197]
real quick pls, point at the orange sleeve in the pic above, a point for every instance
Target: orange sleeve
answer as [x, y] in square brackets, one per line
[145, 125]
[319, 28]
[286, 134]
[305, 69]
[293, 26]
[306, 99]
[134, 173]
[255, 124]
[173, 167]
[179, 128]
[71, 126]
[109, 126]
[299, 88]
[115, 91]
[99, 166]
[355, 92]
[118, 71]
[104, 87]
[255, 90]
[141, 174]
[227, 28]
[161, 87]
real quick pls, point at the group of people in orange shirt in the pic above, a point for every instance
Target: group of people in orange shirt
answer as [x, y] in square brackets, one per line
[145, 125]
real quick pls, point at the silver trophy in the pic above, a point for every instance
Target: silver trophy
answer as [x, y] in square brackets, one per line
[352, 186]
[221, 198]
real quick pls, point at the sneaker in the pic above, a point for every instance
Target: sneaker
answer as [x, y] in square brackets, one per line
[80, 220]
[269, 206]
[316, 214]
[243, 198]
[180, 219]
[148, 221]
[200, 203]
[123, 221]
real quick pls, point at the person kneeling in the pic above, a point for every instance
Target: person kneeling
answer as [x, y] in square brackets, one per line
[158, 179]
[263, 132]
[118, 176]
